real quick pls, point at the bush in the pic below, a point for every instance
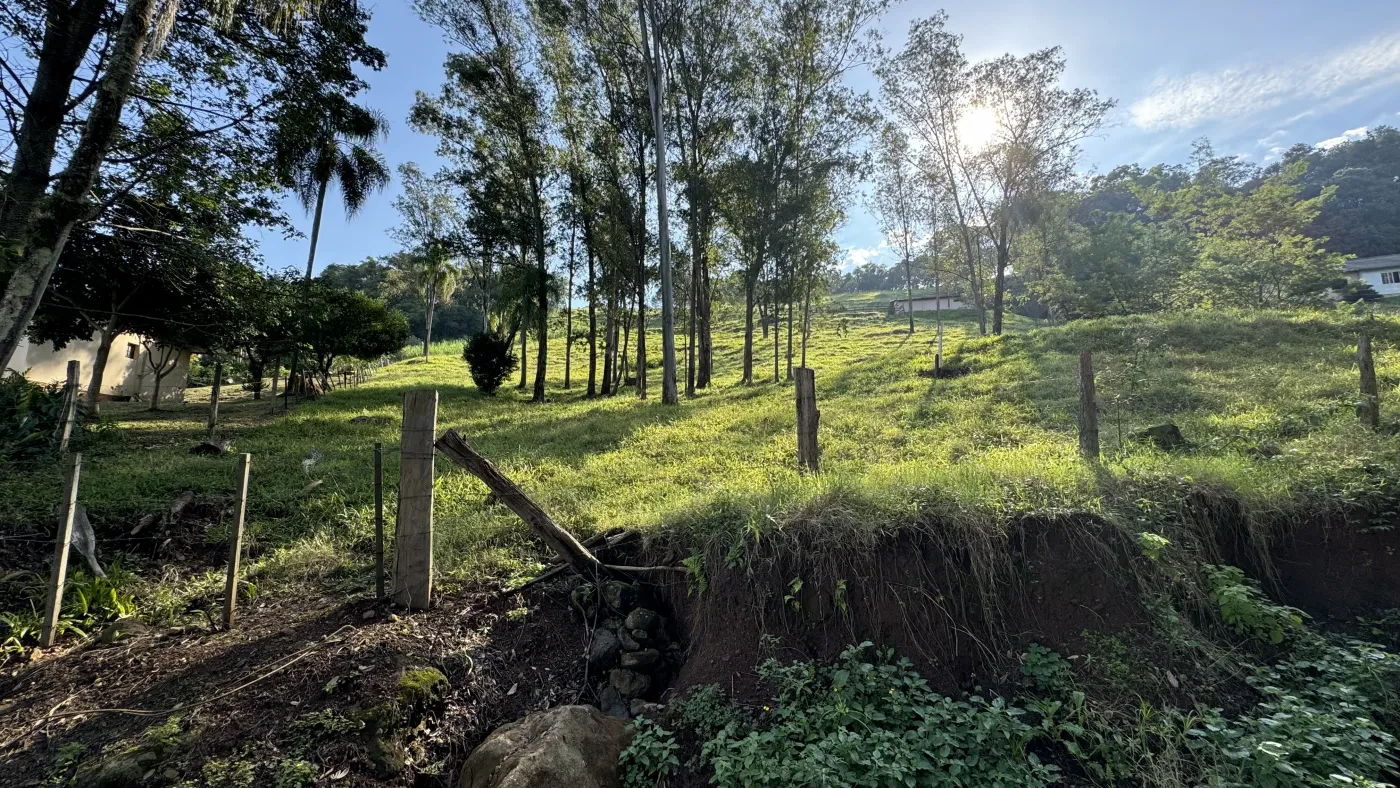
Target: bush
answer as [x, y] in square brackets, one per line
[490, 358]
[29, 418]
[860, 723]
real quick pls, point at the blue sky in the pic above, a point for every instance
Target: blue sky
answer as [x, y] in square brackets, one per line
[1254, 77]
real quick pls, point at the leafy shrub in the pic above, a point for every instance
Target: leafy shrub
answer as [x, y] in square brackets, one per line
[1245, 608]
[29, 418]
[649, 757]
[859, 723]
[1046, 669]
[491, 360]
[705, 711]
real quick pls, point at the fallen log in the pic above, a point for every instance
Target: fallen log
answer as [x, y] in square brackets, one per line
[564, 544]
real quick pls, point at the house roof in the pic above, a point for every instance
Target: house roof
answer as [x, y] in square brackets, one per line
[1372, 263]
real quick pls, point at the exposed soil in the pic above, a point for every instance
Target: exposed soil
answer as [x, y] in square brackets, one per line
[1339, 570]
[499, 669]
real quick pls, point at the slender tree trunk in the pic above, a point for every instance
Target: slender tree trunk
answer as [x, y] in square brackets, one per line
[429, 307]
[44, 227]
[806, 321]
[542, 340]
[592, 321]
[777, 321]
[316, 226]
[609, 340]
[569, 313]
[789, 337]
[99, 368]
[749, 285]
[909, 286]
[524, 352]
[656, 86]
[690, 371]
[999, 294]
[702, 308]
[626, 338]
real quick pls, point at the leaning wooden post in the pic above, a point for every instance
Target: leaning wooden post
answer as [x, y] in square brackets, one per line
[413, 533]
[70, 406]
[59, 574]
[214, 397]
[807, 419]
[378, 520]
[1370, 410]
[235, 548]
[1088, 409]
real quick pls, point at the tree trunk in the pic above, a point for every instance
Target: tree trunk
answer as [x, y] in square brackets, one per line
[524, 352]
[909, 287]
[429, 306]
[777, 318]
[656, 86]
[749, 285]
[592, 322]
[999, 293]
[609, 339]
[99, 368]
[316, 226]
[569, 313]
[702, 308]
[690, 371]
[68, 33]
[542, 340]
[789, 337]
[44, 229]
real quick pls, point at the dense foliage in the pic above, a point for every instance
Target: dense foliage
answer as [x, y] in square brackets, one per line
[491, 359]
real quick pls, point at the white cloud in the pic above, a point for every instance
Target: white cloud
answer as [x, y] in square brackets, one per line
[1240, 91]
[856, 257]
[1275, 139]
[1346, 136]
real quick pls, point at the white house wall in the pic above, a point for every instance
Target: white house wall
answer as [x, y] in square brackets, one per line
[927, 304]
[124, 377]
[1373, 278]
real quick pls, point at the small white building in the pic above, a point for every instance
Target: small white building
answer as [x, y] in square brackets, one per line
[1381, 273]
[128, 374]
[925, 304]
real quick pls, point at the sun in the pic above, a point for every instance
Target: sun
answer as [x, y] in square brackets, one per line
[977, 128]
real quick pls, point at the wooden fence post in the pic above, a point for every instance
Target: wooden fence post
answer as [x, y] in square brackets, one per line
[413, 532]
[1370, 409]
[378, 520]
[70, 405]
[59, 573]
[214, 397]
[808, 417]
[1088, 409]
[235, 550]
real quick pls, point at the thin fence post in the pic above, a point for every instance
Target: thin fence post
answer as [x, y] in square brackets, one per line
[1370, 410]
[808, 452]
[70, 405]
[378, 520]
[235, 550]
[214, 397]
[1088, 409]
[59, 573]
[413, 533]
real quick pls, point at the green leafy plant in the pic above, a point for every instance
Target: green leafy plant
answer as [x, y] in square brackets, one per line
[293, 773]
[697, 583]
[874, 723]
[650, 756]
[704, 711]
[1152, 544]
[1245, 608]
[491, 359]
[1047, 670]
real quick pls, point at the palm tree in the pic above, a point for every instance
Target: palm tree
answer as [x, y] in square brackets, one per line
[330, 140]
[429, 274]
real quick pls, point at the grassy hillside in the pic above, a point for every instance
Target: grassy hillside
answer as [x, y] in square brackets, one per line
[1266, 398]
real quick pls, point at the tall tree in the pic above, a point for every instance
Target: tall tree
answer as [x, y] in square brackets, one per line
[898, 204]
[650, 28]
[429, 228]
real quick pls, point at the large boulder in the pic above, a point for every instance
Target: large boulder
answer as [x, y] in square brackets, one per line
[575, 746]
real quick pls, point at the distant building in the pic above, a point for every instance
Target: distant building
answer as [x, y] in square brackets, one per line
[926, 304]
[1381, 273]
[128, 375]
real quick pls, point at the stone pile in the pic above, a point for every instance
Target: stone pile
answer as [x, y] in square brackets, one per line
[632, 650]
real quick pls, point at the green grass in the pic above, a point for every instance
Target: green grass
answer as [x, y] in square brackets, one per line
[1267, 398]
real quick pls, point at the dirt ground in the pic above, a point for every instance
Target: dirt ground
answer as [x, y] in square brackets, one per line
[286, 659]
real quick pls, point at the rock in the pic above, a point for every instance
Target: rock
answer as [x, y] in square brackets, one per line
[584, 599]
[641, 659]
[367, 615]
[422, 693]
[123, 629]
[612, 703]
[1166, 437]
[641, 708]
[619, 597]
[577, 746]
[603, 651]
[640, 635]
[643, 619]
[628, 642]
[629, 682]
